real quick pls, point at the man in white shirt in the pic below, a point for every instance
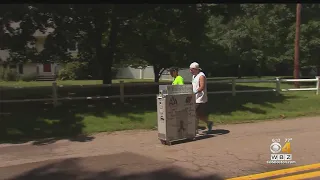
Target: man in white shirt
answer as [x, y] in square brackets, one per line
[199, 84]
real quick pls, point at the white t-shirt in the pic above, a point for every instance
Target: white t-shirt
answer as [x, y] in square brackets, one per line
[201, 97]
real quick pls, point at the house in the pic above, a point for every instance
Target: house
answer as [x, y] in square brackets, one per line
[42, 70]
[147, 73]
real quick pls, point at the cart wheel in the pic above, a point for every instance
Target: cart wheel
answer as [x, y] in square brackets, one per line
[163, 142]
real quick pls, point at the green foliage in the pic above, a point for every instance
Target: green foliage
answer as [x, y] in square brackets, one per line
[74, 71]
[7, 74]
[224, 38]
[2, 71]
[29, 77]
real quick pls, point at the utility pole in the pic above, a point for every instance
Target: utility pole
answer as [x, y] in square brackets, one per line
[297, 46]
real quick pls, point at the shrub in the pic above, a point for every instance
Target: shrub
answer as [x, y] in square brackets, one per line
[7, 74]
[29, 77]
[74, 71]
[2, 71]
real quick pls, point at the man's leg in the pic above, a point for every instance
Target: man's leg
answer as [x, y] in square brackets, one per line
[204, 115]
[197, 119]
[209, 123]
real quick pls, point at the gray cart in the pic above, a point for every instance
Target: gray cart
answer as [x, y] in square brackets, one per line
[176, 113]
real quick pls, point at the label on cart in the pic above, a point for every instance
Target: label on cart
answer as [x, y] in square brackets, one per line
[180, 116]
[173, 101]
[188, 99]
[175, 90]
[182, 122]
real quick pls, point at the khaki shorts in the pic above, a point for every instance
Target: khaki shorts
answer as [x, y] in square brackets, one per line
[202, 109]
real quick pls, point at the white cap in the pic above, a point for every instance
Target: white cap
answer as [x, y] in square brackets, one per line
[195, 65]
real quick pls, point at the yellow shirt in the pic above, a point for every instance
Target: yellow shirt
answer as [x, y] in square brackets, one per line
[178, 81]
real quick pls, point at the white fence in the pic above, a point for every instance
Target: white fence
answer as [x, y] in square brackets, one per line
[123, 85]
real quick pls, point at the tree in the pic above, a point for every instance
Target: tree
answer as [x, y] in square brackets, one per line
[165, 35]
[256, 36]
[253, 37]
[18, 25]
[309, 37]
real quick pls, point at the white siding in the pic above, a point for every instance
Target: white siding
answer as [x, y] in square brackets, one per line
[4, 55]
[29, 68]
[129, 72]
[40, 43]
[147, 73]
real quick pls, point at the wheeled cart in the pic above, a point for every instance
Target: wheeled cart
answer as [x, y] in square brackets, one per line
[176, 113]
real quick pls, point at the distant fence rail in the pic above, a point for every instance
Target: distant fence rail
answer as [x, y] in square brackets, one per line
[55, 99]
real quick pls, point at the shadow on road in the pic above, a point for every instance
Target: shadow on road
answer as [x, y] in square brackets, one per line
[168, 174]
[133, 167]
[204, 135]
[79, 138]
[218, 132]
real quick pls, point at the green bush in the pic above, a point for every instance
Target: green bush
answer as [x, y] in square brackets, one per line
[29, 77]
[2, 71]
[74, 71]
[7, 74]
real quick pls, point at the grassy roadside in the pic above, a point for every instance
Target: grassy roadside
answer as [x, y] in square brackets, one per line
[224, 109]
[67, 82]
[37, 120]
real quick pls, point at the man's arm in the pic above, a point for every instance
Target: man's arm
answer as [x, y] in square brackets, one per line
[202, 83]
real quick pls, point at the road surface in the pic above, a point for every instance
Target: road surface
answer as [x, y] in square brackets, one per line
[232, 151]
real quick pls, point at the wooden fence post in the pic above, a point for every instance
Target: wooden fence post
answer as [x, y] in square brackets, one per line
[54, 94]
[318, 84]
[122, 91]
[278, 90]
[233, 86]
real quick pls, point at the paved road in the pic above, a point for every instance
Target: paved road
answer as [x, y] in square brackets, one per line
[233, 150]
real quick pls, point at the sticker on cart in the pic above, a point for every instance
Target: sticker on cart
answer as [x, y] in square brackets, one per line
[173, 101]
[181, 127]
[188, 99]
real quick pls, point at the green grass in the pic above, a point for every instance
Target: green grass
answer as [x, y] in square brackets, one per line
[67, 82]
[21, 121]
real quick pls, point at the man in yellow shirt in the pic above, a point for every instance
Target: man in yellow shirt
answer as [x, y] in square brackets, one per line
[178, 80]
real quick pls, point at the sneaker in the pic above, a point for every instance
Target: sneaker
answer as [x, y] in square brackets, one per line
[210, 124]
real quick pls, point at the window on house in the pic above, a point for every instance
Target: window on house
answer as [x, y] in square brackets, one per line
[20, 68]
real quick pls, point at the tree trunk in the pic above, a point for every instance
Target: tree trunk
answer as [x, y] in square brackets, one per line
[261, 68]
[107, 60]
[259, 73]
[239, 72]
[157, 75]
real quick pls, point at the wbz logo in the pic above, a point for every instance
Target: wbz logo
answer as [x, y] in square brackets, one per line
[281, 154]
[281, 157]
